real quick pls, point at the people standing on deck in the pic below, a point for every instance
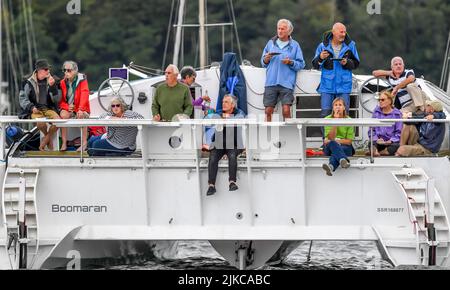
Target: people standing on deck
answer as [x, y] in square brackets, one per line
[338, 140]
[409, 95]
[336, 56]
[74, 100]
[283, 58]
[188, 76]
[423, 138]
[38, 99]
[219, 144]
[171, 98]
[117, 141]
[386, 140]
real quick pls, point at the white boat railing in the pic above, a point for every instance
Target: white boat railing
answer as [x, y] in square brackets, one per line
[248, 125]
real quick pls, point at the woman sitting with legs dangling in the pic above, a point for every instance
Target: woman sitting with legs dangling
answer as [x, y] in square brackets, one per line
[338, 140]
[117, 141]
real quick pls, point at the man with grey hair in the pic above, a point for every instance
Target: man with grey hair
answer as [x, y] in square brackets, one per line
[171, 98]
[221, 143]
[409, 96]
[74, 100]
[336, 56]
[283, 58]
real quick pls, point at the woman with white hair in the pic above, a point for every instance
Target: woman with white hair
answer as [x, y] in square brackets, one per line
[74, 101]
[117, 141]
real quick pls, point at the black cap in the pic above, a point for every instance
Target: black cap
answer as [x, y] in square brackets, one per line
[41, 64]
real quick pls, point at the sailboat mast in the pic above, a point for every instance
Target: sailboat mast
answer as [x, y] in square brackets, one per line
[176, 51]
[1, 50]
[202, 38]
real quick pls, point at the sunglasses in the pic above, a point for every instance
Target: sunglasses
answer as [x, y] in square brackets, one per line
[67, 70]
[45, 69]
[115, 105]
[381, 100]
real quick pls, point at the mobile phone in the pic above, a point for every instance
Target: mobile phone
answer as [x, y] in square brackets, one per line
[337, 59]
[274, 53]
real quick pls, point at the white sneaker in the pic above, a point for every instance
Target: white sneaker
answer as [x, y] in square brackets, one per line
[344, 163]
[328, 169]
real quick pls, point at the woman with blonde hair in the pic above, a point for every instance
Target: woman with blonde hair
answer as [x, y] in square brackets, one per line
[385, 140]
[338, 140]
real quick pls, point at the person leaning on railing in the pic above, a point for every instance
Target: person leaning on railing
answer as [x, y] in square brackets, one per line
[424, 138]
[338, 139]
[386, 140]
[409, 97]
[117, 141]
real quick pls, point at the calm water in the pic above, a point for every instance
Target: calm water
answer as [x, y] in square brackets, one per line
[324, 255]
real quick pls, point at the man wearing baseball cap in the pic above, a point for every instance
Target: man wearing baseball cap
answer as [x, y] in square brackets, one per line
[423, 138]
[38, 99]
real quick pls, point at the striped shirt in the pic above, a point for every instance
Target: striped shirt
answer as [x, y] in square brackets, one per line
[404, 99]
[122, 137]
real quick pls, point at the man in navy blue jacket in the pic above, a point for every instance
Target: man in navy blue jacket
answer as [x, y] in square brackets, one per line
[336, 57]
[283, 58]
[423, 138]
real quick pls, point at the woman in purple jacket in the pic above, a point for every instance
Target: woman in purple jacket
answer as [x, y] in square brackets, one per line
[188, 76]
[386, 139]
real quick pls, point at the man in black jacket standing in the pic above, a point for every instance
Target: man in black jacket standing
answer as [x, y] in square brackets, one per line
[38, 99]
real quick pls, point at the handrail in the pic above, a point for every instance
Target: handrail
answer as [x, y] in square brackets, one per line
[310, 122]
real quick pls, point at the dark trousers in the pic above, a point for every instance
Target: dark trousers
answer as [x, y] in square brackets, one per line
[213, 166]
[391, 148]
[337, 151]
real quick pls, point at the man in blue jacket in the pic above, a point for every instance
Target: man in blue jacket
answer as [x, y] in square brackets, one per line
[423, 138]
[336, 57]
[283, 58]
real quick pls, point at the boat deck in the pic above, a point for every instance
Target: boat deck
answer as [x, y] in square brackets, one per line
[138, 154]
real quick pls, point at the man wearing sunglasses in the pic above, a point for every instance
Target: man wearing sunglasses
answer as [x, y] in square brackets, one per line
[38, 99]
[74, 100]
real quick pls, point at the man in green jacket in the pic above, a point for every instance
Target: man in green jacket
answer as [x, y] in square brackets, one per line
[171, 98]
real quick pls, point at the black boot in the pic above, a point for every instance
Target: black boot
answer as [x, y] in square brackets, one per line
[233, 186]
[211, 190]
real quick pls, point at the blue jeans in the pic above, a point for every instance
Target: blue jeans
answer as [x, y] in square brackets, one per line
[101, 147]
[326, 101]
[336, 152]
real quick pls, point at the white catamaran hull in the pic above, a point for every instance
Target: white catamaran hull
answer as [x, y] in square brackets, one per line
[90, 208]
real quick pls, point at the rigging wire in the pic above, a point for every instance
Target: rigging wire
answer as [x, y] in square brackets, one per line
[208, 57]
[16, 53]
[33, 34]
[9, 49]
[236, 30]
[168, 35]
[27, 33]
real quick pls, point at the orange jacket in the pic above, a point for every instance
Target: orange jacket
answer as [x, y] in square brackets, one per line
[81, 99]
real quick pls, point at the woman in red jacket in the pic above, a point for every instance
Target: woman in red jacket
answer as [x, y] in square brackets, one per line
[74, 100]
